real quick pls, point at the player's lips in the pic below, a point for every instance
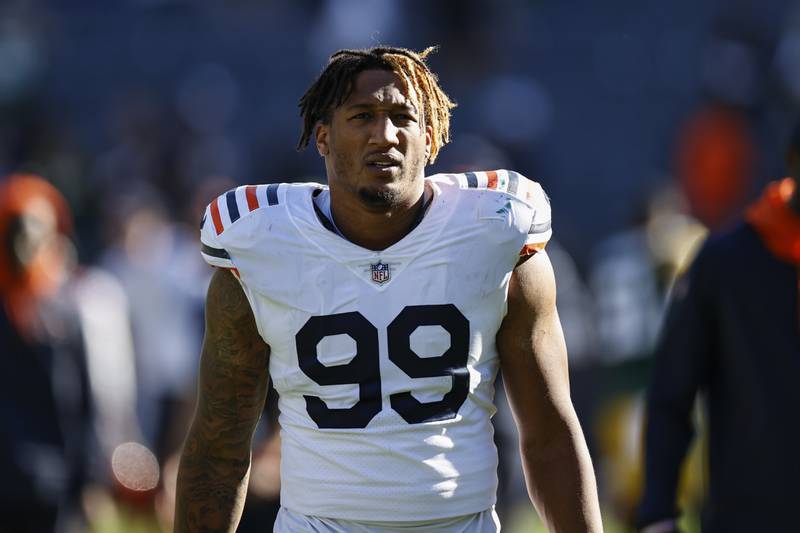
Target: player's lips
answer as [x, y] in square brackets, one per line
[382, 162]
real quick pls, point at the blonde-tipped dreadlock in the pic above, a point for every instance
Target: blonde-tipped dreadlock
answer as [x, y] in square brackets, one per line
[337, 81]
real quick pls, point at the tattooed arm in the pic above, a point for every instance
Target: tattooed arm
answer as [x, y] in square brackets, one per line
[232, 386]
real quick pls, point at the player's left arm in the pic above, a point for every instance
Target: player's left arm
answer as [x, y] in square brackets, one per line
[533, 358]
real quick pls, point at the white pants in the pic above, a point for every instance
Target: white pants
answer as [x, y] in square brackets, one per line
[291, 522]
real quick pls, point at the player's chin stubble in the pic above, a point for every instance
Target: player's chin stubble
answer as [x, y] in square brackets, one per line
[378, 199]
[387, 198]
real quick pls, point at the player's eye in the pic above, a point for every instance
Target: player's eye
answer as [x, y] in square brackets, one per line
[361, 116]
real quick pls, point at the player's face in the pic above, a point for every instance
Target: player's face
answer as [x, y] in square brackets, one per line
[376, 144]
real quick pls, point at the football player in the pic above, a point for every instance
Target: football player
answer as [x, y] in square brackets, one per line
[382, 307]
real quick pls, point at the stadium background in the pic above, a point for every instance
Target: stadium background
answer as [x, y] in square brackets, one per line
[646, 122]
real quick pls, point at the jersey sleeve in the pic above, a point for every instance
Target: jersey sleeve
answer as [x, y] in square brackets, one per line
[540, 229]
[219, 238]
[532, 215]
[211, 227]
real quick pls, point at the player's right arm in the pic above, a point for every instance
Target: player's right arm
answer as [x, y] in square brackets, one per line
[232, 387]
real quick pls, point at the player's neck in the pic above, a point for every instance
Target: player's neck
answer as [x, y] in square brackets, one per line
[376, 230]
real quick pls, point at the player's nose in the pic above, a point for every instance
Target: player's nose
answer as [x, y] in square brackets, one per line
[384, 131]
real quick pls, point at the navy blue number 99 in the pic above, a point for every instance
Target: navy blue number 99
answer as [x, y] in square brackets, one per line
[364, 368]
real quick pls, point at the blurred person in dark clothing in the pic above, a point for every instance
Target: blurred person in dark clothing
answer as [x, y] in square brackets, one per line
[45, 405]
[733, 334]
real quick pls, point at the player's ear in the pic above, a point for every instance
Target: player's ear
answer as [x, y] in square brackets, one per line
[322, 139]
[428, 142]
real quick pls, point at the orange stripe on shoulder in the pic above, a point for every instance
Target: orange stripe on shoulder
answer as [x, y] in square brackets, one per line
[216, 217]
[491, 179]
[530, 249]
[252, 200]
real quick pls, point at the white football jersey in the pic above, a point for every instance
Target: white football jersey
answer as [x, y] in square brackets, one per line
[384, 361]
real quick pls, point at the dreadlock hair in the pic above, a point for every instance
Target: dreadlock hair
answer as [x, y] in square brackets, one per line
[335, 84]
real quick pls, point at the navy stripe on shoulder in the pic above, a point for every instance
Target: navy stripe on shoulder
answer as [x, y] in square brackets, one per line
[233, 209]
[272, 193]
[215, 252]
[472, 180]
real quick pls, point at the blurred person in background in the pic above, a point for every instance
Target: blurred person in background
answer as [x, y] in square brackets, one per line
[158, 269]
[715, 163]
[732, 334]
[297, 266]
[69, 392]
[45, 398]
[630, 274]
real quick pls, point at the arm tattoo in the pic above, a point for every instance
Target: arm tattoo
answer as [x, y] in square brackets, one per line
[232, 386]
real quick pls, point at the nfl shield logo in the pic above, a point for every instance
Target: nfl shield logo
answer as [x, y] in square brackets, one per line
[380, 272]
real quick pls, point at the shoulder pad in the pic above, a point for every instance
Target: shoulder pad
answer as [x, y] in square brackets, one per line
[537, 218]
[227, 209]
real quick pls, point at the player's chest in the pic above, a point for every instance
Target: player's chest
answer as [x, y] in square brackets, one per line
[317, 282]
[380, 287]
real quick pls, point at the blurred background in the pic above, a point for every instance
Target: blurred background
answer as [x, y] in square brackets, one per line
[648, 123]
